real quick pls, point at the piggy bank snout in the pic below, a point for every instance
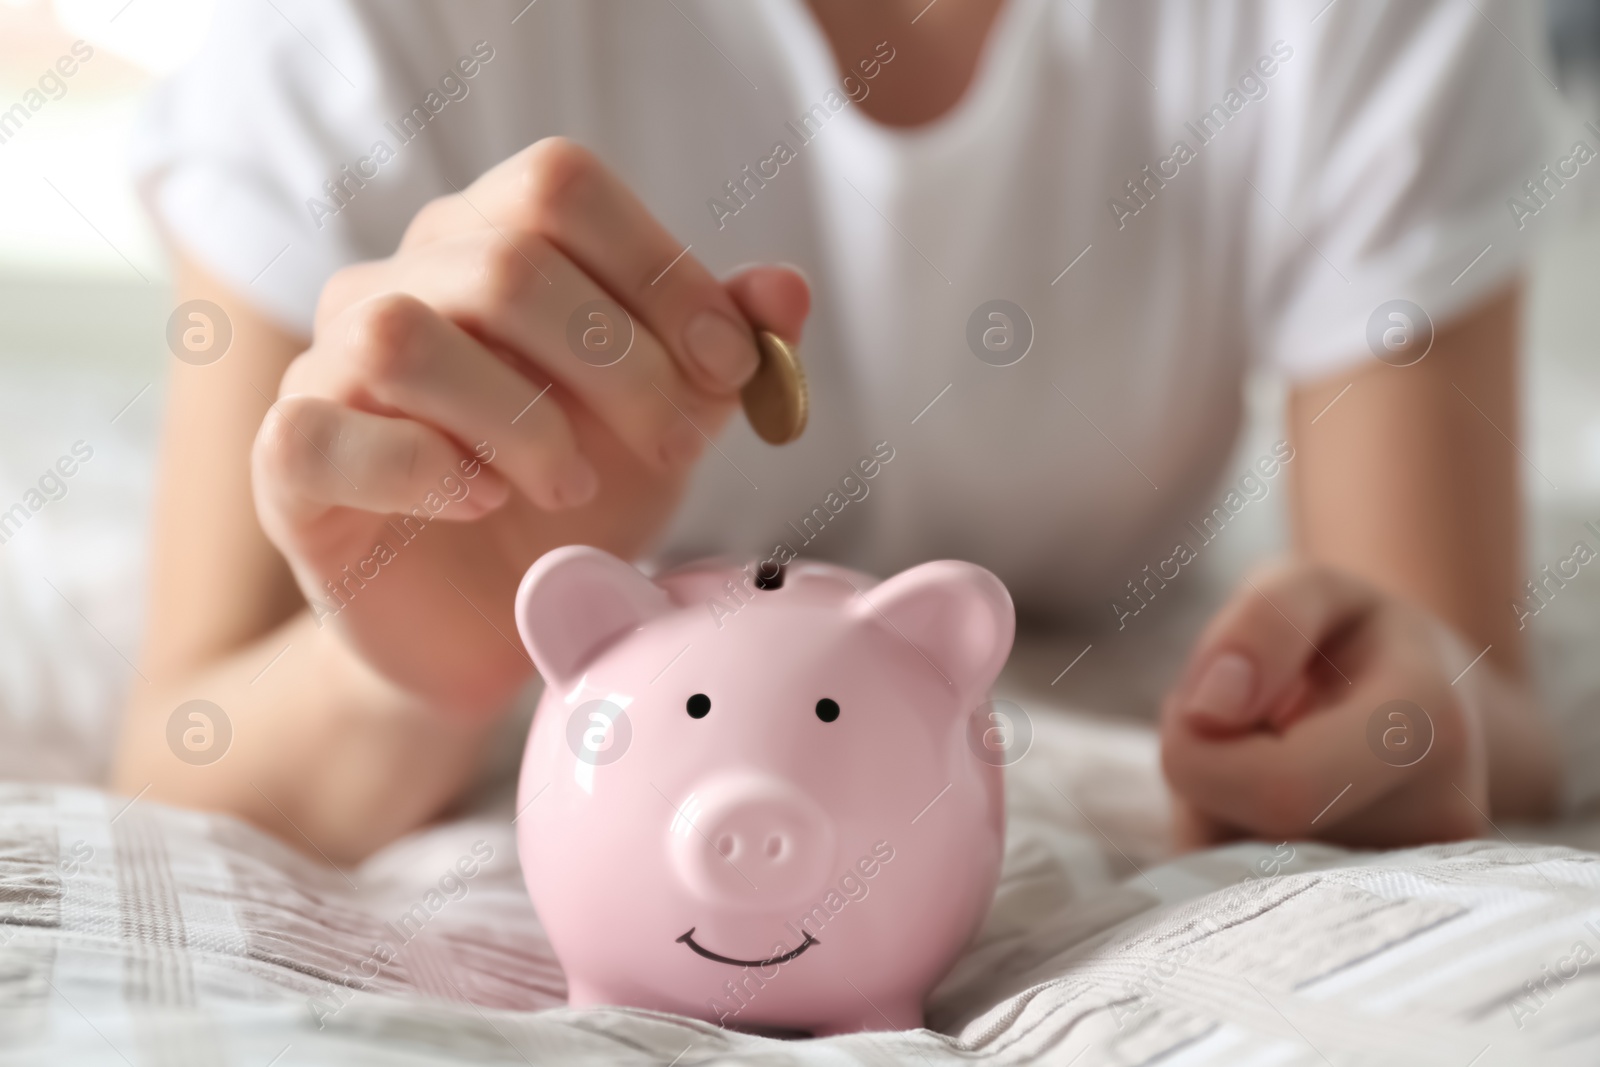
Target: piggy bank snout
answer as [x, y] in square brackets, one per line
[751, 842]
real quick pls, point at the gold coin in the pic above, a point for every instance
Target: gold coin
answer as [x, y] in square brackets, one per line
[775, 400]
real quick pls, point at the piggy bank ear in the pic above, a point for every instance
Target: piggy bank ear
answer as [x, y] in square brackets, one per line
[575, 602]
[958, 615]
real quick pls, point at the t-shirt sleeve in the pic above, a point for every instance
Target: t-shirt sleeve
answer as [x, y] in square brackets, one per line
[1394, 148]
[304, 137]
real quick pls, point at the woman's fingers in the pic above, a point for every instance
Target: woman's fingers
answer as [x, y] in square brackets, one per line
[312, 455]
[1322, 773]
[1394, 742]
[550, 264]
[394, 355]
[1279, 784]
[534, 302]
[557, 190]
[1253, 658]
[773, 298]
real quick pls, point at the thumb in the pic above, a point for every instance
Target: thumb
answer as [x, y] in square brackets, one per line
[1256, 655]
[772, 298]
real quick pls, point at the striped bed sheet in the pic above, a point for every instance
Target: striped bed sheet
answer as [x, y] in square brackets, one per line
[133, 933]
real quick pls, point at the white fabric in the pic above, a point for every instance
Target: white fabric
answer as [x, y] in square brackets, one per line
[71, 575]
[144, 934]
[1375, 164]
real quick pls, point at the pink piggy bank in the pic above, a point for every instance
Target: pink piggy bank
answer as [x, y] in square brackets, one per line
[754, 797]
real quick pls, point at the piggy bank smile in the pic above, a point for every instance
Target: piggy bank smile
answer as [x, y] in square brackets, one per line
[687, 938]
[708, 797]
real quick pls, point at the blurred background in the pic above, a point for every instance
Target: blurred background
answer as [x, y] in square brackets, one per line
[84, 302]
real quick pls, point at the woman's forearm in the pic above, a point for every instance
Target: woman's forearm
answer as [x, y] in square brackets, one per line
[1413, 483]
[306, 742]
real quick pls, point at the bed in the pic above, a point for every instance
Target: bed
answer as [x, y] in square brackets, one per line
[131, 932]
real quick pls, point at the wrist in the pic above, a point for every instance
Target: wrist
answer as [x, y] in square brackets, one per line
[1525, 771]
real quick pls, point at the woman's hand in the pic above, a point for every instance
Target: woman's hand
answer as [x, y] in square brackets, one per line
[442, 430]
[1315, 705]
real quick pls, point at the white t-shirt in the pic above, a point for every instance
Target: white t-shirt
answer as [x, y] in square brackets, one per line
[1229, 183]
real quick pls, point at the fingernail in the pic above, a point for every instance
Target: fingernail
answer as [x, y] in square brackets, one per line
[1223, 691]
[576, 483]
[723, 350]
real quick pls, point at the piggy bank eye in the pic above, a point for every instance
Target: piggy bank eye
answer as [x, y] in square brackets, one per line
[827, 710]
[699, 706]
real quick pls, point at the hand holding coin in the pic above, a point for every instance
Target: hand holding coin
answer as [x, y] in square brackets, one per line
[776, 400]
